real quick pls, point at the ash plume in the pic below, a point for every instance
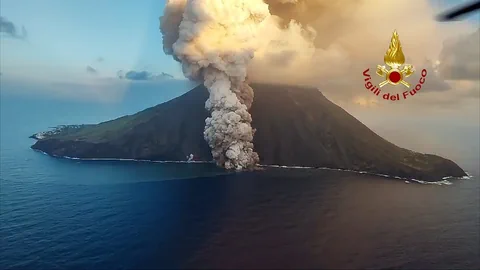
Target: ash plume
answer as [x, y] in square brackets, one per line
[317, 42]
[214, 41]
[330, 18]
[296, 42]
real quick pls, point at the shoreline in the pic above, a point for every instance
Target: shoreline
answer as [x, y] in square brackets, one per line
[444, 180]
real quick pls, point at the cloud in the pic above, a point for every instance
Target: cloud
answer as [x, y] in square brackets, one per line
[170, 23]
[142, 75]
[91, 70]
[120, 74]
[332, 42]
[460, 58]
[138, 75]
[318, 15]
[328, 44]
[9, 29]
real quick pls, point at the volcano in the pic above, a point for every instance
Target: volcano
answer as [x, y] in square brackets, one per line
[295, 126]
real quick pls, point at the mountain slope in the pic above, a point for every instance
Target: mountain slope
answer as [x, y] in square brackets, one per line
[296, 126]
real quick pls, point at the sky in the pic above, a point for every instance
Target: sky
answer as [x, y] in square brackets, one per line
[71, 42]
[65, 38]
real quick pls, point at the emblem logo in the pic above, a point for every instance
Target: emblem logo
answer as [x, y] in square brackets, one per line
[394, 58]
[394, 74]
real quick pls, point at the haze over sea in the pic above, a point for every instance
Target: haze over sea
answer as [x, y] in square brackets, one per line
[71, 214]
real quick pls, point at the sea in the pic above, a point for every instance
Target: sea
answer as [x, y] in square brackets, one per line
[72, 214]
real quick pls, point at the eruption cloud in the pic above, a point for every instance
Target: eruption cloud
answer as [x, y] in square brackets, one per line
[295, 42]
[215, 40]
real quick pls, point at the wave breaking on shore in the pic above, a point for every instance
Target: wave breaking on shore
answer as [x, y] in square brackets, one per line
[444, 181]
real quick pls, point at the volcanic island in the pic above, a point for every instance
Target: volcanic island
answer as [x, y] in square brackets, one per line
[295, 126]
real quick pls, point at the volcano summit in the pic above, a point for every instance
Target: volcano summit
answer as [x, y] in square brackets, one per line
[295, 126]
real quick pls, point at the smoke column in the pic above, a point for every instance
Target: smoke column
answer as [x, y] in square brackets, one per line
[214, 40]
[300, 42]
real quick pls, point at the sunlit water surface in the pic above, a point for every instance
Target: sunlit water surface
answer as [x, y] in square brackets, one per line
[68, 214]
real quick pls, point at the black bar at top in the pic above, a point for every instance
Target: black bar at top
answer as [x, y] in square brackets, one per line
[455, 13]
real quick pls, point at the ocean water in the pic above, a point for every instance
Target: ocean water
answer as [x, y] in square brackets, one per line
[70, 214]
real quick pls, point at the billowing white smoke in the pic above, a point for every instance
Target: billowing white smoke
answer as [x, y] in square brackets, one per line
[302, 42]
[215, 40]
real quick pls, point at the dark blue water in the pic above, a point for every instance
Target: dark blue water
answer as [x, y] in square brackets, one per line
[67, 214]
